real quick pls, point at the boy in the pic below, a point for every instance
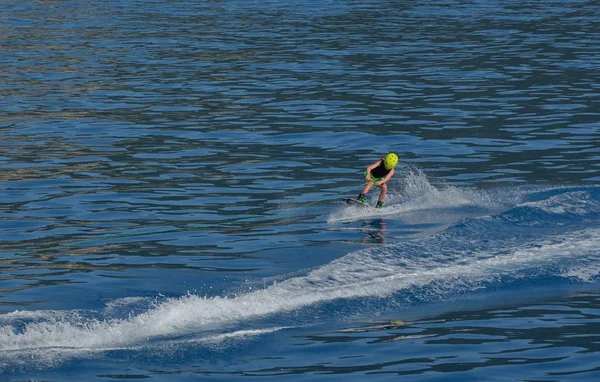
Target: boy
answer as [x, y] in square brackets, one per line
[379, 173]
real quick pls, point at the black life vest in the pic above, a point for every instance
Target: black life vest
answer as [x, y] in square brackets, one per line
[380, 171]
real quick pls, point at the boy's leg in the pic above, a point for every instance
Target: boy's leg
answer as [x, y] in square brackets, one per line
[383, 192]
[381, 196]
[362, 195]
[367, 187]
[365, 190]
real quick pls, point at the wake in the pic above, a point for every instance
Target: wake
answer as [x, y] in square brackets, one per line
[551, 236]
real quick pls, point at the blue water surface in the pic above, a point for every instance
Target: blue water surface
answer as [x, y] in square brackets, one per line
[172, 176]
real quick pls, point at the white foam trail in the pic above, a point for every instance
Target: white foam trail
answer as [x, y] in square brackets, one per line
[37, 315]
[240, 334]
[364, 275]
[583, 272]
[124, 303]
[575, 202]
[377, 272]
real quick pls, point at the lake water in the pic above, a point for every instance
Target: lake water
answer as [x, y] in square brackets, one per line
[172, 176]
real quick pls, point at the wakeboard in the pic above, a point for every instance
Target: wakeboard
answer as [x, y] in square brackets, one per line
[353, 201]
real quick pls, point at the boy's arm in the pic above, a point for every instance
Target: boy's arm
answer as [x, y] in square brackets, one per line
[387, 177]
[370, 168]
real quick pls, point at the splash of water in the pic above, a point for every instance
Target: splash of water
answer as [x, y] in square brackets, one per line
[413, 196]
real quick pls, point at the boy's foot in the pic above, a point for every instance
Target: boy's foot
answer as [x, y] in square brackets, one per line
[379, 204]
[361, 198]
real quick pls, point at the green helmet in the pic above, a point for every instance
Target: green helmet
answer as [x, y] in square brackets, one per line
[390, 161]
